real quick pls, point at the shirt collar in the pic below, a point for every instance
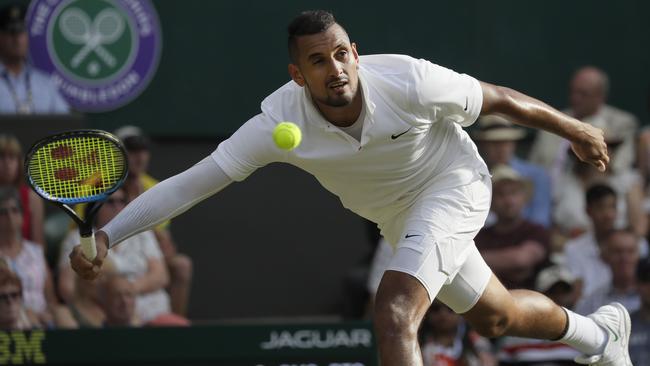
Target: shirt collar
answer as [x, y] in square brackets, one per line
[4, 72]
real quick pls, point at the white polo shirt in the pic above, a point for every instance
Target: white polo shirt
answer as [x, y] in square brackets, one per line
[411, 142]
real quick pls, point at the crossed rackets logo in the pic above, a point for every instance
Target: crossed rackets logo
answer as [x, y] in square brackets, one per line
[77, 28]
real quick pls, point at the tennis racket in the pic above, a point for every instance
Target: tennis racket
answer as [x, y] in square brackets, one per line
[81, 166]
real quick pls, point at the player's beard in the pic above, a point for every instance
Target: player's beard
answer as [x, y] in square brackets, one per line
[337, 100]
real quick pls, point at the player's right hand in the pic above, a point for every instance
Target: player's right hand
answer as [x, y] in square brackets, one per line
[87, 269]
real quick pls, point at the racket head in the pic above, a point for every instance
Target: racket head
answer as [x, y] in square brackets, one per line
[76, 166]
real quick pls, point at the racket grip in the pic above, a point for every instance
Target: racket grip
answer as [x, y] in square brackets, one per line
[88, 246]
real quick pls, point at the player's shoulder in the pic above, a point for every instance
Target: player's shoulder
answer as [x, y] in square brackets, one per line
[387, 63]
[285, 103]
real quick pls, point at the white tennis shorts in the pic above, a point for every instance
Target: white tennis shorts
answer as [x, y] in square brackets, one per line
[437, 245]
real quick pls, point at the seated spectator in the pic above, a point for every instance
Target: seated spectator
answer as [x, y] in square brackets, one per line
[179, 265]
[23, 88]
[25, 258]
[139, 258]
[83, 310]
[569, 214]
[620, 251]
[583, 253]
[513, 247]
[445, 340]
[587, 102]
[117, 297]
[561, 286]
[11, 174]
[640, 337]
[13, 314]
[497, 140]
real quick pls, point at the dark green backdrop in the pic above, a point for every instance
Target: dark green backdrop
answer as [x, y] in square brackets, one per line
[220, 58]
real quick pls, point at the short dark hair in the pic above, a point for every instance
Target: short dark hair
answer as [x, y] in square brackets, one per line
[597, 192]
[307, 23]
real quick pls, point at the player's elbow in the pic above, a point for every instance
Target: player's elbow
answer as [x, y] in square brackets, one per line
[499, 100]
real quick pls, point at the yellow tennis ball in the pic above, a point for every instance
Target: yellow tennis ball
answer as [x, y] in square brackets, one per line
[287, 135]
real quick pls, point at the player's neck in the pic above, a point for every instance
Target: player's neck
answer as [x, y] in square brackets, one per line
[342, 116]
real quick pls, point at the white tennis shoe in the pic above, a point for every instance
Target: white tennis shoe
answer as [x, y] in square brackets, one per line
[615, 320]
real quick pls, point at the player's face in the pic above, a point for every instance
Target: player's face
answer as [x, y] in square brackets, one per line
[509, 199]
[11, 219]
[327, 65]
[603, 213]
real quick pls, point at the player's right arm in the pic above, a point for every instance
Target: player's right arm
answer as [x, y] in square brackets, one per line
[249, 148]
[162, 202]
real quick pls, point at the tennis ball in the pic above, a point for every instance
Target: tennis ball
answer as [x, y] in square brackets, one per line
[287, 135]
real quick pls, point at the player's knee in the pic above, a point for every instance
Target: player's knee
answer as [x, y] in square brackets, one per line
[395, 318]
[493, 326]
[181, 268]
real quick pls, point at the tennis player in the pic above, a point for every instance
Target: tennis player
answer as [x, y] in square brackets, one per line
[384, 133]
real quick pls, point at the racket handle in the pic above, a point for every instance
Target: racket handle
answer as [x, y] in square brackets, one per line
[88, 246]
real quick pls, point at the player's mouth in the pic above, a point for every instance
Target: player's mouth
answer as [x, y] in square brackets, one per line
[338, 86]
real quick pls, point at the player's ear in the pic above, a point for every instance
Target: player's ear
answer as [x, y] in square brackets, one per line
[354, 51]
[296, 75]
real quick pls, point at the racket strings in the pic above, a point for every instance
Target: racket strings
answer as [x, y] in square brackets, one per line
[77, 168]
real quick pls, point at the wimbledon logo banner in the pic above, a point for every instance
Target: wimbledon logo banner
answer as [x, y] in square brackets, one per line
[101, 53]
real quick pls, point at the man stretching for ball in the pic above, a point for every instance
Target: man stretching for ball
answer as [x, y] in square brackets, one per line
[384, 133]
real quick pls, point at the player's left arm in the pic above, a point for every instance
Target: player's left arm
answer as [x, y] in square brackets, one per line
[586, 141]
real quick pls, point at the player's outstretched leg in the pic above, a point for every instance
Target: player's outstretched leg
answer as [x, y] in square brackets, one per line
[602, 336]
[400, 305]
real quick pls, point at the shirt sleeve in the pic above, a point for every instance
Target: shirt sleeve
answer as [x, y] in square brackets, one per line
[249, 148]
[440, 93]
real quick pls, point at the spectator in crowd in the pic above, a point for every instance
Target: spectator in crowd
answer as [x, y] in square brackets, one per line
[13, 314]
[83, 309]
[583, 253]
[25, 258]
[117, 296]
[513, 247]
[139, 258]
[588, 93]
[620, 251]
[11, 174]
[497, 140]
[640, 338]
[23, 88]
[445, 340]
[179, 265]
[561, 286]
[569, 213]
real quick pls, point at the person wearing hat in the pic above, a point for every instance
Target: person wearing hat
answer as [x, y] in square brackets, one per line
[497, 140]
[640, 339]
[23, 88]
[513, 247]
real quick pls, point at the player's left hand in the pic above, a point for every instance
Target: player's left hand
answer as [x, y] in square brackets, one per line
[591, 147]
[90, 269]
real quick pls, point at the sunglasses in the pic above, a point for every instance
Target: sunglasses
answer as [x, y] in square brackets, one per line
[15, 296]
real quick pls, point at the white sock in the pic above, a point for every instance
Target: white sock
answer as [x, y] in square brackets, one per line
[584, 334]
